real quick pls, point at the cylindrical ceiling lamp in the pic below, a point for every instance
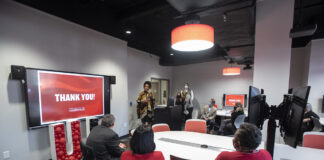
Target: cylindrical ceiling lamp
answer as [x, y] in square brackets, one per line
[192, 37]
[231, 71]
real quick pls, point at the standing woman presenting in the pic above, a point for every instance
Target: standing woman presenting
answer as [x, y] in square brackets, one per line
[145, 104]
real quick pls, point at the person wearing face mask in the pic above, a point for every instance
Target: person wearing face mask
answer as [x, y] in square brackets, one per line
[145, 105]
[208, 114]
[246, 141]
[179, 100]
[187, 96]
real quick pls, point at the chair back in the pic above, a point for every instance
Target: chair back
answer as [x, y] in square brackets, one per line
[317, 125]
[161, 127]
[239, 120]
[196, 125]
[87, 152]
[313, 140]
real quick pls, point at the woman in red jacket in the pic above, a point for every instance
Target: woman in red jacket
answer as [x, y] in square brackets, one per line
[142, 146]
[246, 141]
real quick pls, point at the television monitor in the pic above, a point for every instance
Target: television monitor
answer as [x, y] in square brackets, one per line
[257, 107]
[229, 100]
[54, 96]
[295, 115]
[170, 102]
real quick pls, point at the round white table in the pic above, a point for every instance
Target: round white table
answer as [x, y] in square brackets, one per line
[187, 145]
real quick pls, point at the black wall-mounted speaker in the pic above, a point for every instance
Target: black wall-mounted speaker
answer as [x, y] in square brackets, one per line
[18, 72]
[112, 79]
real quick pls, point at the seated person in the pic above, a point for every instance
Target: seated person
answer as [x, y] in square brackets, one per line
[228, 124]
[209, 114]
[308, 123]
[142, 146]
[246, 139]
[104, 141]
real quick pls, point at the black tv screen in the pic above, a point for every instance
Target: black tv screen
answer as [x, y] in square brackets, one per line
[257, 107]
[55, 96]
[295, 115]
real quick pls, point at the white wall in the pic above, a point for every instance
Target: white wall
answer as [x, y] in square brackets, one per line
[34, 39]
[142, 67]
[207, 81]
[316, 75]
[274, 19]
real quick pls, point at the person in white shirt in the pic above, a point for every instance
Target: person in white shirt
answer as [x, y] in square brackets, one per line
[187, 96]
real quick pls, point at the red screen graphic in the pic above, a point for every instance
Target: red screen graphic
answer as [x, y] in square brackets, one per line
[67, 96]
[230, 100]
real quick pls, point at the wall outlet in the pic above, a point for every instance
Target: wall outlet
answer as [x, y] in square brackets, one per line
[6, 154]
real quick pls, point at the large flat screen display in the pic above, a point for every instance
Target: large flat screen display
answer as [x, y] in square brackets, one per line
[54, 96]
[231, 99]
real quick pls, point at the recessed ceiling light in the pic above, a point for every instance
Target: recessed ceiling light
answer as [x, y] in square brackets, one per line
[128, 32]
[171, 54]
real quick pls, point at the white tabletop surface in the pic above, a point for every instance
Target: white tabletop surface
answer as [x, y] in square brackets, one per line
[227, 113]
[224, 113]
[189, 152]
[282, 152]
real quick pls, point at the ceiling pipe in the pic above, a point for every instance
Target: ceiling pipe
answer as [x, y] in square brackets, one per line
[213, 7]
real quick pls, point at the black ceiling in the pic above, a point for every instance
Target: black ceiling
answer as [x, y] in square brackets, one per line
[151, 23]
[308, 12]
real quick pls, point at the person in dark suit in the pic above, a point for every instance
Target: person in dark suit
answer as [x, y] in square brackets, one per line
[104, 141]
[308, 122]
[309, 115]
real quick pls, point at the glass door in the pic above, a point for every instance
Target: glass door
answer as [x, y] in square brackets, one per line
[160, 90]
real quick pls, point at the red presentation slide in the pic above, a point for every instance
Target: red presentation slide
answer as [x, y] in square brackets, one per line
[230, 100]
[66, 96]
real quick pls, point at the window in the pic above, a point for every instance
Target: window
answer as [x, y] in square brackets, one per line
[160, 90]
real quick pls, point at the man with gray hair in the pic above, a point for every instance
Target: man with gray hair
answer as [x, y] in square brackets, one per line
[104, 141]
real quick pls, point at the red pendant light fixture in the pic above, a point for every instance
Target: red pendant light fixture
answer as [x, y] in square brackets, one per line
[192, 37]
[231, 71]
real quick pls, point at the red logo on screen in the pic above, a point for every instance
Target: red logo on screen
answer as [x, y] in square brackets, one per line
[232, 99]
[67, 96]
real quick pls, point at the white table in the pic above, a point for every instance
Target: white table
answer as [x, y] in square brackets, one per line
[282, 152]
[190, 152]
[224, 113]
[227, 113]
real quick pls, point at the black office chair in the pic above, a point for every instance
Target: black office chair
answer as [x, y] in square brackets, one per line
[87, 152]
[238, 121]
